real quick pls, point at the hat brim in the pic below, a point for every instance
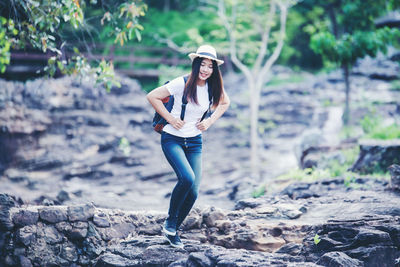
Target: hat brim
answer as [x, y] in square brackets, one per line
[194, 55]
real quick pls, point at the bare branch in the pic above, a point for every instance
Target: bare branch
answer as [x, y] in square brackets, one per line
[283, 8]
[232, 38]
[171, 44]
[265, 37]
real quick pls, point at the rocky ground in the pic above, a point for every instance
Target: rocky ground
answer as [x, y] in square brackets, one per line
[325, 223]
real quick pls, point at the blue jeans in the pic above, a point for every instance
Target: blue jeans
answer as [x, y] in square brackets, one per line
[184, 155]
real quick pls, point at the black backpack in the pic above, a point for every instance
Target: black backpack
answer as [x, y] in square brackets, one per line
[159, 122]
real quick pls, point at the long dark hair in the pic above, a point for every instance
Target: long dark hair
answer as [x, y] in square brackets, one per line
[214, 82]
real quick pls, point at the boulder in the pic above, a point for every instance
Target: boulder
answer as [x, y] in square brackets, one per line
[338, 259]
[394, 176]
[377, 156]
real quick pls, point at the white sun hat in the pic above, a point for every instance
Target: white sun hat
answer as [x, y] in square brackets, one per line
[206, 51]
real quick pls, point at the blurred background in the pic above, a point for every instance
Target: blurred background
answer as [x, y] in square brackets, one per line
[309, 81]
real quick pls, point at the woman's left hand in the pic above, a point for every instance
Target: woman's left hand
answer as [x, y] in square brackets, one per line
[204, 125]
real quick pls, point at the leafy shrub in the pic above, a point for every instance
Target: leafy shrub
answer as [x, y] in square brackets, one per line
[369, 123]
[373, 129]
[385, 133]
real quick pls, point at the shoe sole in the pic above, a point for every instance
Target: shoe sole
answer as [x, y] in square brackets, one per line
[172, 244]
[168, 232]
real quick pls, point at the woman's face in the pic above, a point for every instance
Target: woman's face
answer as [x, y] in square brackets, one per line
[206, 69]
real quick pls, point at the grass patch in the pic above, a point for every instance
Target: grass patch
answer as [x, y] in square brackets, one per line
[385, 133]
[373, 128]
[260, 191]
[294, 78]
[304, 175]
[333, 166]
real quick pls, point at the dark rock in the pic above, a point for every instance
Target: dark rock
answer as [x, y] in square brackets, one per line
[112, 260]
[101, 220]
[199, 259]
[69, 252]
[300, 191]
[367, 237]
[45, 162]
[53, 214]
[377, 156]
[161, 255]
[64, 227]
[80, 212]
[63, 196]
[338, 259]
[26, 234]
[211, 217]
[379, 68]
[49, 234]
[79, 231]
[154, 173]
[88, 173]
[383, 256]
[291, 249]
[395, 176]
[24, 262]
[247, 203]
[6, 202]
[25, 217]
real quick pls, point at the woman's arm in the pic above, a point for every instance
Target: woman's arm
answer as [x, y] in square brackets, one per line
[155, 98]
[221, 108]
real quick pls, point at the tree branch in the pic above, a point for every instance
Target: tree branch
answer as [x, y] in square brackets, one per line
[232, 38]
[265, 37]
[283, 7]
[171, 44]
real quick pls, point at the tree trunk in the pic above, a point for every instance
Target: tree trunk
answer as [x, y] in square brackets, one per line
[346, 114]
[254, 142]
[167, 5]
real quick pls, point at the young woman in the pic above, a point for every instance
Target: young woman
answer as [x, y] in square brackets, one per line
[181, 140]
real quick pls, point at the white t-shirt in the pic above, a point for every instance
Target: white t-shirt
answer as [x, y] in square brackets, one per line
[193, 112]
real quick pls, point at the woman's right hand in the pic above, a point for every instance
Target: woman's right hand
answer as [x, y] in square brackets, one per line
[177, 123]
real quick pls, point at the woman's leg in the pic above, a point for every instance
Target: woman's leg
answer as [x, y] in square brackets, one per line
[175, 154]
[194, 156]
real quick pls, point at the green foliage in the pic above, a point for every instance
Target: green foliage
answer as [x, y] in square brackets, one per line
[294, 78]
[373, 128]
[369, 123]
[124, 146]
[346, 49]
[260, 191]
[7, 33]
[332, 167]
[49, 25]
[305, 175]
[316, 239]
[350, 181]
[350, 31]
[183, 28]
[385, 133]
[296, 52]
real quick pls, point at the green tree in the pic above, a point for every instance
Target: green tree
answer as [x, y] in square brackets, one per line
[43, 25]
[348, 32]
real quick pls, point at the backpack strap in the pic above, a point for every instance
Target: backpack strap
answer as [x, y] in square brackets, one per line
[184, 99]
[209, 105]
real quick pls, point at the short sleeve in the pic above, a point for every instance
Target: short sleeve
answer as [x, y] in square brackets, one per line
[176, 86]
